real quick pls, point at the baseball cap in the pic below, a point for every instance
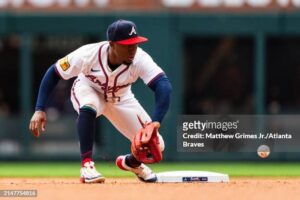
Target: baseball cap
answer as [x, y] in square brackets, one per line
[124, 32]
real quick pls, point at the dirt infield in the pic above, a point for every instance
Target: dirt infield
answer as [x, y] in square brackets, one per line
[120, 188]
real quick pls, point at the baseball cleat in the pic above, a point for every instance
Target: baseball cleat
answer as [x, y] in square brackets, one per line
[89, 174]
[143, 172]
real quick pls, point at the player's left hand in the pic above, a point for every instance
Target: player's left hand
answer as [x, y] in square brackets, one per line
[146, 133]
[145, 145]
[37, 123]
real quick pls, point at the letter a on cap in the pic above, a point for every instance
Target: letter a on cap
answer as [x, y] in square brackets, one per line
[132, 31]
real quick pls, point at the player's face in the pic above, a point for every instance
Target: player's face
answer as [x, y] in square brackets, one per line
[124, 53]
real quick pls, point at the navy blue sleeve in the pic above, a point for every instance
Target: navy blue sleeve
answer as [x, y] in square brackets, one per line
[162, 89]
[48, 84]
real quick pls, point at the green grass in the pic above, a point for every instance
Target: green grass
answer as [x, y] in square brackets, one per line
[108, 169]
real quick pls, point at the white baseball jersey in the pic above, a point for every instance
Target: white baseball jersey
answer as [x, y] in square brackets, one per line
[89, 63]
[108, 92]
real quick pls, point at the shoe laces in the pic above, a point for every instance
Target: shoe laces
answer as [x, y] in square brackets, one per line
[90, 164]
[89, 169]
[142, 171]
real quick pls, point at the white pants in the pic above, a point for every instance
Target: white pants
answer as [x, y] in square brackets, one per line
[123, 115]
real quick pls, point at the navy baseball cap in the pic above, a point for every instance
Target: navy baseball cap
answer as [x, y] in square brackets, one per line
[124, 32]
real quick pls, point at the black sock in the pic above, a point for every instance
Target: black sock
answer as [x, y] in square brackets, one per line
[131, 161]
[86, 131]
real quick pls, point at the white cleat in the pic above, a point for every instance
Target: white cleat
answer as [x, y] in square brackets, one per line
[89, 174]
[143, 172]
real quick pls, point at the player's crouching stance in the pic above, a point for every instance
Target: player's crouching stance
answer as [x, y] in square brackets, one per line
[105, 72]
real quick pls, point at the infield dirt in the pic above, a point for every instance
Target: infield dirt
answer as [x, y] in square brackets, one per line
[131, 189]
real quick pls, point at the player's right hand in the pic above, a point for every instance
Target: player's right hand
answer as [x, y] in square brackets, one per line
[37, 123]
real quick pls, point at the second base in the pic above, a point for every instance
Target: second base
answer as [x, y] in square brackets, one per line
[191, 176]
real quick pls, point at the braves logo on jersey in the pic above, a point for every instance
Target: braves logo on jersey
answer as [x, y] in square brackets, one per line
[89, 63]
[110, 89]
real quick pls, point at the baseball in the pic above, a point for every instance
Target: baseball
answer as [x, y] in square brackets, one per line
[263, 151]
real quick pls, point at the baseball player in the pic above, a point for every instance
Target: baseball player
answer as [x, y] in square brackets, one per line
[105, 72]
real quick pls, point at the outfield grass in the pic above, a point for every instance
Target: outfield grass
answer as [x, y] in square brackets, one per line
[108, 169]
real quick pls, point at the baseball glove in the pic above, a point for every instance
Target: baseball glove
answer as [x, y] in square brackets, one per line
[145, 146]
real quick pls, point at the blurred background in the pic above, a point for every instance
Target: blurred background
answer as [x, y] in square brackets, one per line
[222, 57]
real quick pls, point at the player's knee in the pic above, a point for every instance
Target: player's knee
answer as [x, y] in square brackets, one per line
[90, 107]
